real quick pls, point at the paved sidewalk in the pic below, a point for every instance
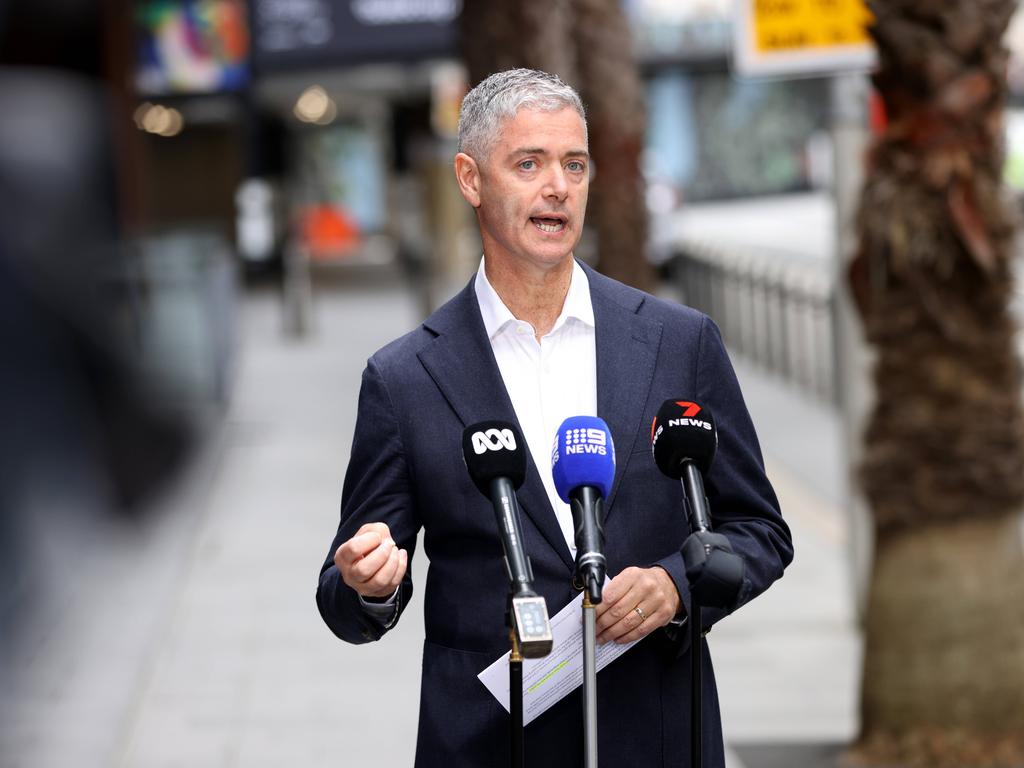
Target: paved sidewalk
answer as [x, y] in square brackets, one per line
[194, 641]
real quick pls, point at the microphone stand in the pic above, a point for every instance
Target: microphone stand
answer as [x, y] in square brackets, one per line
[692, 486]
[590, 569]
[696, 687]
[515, 694]
[589, 682]
[526, 617]
[724, 572]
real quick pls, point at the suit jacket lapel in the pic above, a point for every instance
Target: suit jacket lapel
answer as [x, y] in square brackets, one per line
[461, 363]
[627, 350]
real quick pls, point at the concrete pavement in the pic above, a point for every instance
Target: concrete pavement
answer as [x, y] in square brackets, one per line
[194, 640]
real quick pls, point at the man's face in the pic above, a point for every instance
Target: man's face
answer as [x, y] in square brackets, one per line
[532, 188]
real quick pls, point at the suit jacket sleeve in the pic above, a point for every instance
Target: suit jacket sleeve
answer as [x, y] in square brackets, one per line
[742, 502]
[378, 488]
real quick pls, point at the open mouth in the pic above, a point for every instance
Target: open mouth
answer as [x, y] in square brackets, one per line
[548, 223]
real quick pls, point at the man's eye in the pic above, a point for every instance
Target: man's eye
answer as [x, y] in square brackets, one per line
[575, 166]
[528, 165]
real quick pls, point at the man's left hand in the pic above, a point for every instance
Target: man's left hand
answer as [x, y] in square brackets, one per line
[635, 603]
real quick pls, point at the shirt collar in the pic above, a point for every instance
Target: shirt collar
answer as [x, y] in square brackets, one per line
[496, 315]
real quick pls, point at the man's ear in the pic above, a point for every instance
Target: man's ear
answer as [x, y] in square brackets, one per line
[467, 173]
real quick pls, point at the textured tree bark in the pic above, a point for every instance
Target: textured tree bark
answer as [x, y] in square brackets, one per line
[588, 44]
[504, 34]
[944, 459]
[944, 659]
[489, 31]
[614, 94]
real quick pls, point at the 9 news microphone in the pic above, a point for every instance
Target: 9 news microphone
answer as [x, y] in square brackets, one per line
[496, 460]
[583, 467]
[684, 441]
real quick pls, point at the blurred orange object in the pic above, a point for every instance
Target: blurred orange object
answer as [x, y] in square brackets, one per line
[329, 232]
[878, 120]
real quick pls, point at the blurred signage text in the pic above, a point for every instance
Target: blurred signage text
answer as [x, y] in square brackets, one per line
[783, 37]
[323, 32]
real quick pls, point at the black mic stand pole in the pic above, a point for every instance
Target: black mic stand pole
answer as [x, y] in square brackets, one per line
[718, 585]
[515, 700]
[691, 487]
[515, 688]
[696, 687]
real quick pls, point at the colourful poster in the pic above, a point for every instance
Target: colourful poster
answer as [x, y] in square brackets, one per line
[192, 46]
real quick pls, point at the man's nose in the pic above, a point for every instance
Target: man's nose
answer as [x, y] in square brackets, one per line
[556, 186]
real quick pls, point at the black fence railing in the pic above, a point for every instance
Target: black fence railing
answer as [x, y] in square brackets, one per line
[774, 309]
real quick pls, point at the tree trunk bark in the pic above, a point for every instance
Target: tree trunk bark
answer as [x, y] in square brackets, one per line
[944, 457]
[611, 87]
[488, 32]
[504, 34]
[944, 659]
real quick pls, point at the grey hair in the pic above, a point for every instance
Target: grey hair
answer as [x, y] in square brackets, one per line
[501, 96]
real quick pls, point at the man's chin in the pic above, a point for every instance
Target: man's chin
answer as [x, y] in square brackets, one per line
[554, 253]
[551, 260]
[543, 256]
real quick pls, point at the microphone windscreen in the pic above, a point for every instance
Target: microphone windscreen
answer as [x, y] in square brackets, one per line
[493, 449]
[583, 455]
[683, 430]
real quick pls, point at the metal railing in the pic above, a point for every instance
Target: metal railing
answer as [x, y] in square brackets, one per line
[774, 309]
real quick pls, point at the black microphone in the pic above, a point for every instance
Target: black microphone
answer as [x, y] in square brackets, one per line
[684, 441]
[496, 460]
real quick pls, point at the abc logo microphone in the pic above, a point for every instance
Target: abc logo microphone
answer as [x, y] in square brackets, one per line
[493, 439]
[495, 456]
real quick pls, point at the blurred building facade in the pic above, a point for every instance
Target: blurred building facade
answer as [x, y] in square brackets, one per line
[326, 127]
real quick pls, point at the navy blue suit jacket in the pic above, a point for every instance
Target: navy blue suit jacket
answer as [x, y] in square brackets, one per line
[406, 470]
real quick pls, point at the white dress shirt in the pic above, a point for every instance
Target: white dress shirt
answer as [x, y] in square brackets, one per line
[550, 380]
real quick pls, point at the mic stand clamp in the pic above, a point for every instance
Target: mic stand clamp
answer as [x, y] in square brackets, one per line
[714, 571]
[529, 634]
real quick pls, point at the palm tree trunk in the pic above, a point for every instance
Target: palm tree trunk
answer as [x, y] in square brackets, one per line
[612, 89]
[488, 38]
[503, 34]
[944, 460]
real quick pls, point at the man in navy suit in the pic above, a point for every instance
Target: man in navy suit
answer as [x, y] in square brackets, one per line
[536, 337]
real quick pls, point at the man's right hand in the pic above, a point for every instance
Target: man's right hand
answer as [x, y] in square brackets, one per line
[371, 563]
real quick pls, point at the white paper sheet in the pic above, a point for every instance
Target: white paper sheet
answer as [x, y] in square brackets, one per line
[546, 681]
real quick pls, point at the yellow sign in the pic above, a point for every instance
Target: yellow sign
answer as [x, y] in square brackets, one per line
[787, 25]
[791, 36]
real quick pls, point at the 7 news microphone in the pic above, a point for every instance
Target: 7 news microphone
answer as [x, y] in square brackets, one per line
[684, 441]
[496, 459]
[583, 467]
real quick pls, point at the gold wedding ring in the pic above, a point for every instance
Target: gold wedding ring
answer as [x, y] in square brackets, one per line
[640, 613]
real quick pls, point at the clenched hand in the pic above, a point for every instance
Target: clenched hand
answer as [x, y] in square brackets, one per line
[370, 562]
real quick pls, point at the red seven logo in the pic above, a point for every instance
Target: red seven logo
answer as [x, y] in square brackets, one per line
[689, 409]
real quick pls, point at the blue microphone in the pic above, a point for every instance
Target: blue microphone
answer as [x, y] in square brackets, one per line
[583, 466]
